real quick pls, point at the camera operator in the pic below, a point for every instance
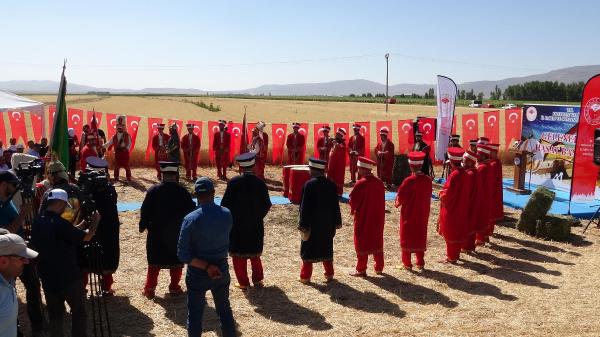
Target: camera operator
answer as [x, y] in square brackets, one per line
[101, 195]
[13, 221]
[58, 178]
[57, 242]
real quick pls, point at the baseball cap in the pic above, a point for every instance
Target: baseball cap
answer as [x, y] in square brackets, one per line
[58, 194]
[9, 177]
[204, 184]
[12, 244]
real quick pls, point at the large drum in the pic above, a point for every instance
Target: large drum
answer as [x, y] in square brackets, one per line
[298, 176]
[286, 178]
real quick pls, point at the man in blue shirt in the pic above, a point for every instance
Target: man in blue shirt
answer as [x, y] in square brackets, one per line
[14, 255]
[203, 245]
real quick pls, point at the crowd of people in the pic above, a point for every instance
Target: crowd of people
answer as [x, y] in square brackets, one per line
[203, 234]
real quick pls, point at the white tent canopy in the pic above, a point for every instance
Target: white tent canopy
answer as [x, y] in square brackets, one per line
[12, 102]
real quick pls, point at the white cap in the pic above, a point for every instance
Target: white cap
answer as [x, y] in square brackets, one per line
[58, 194]
[13, 244]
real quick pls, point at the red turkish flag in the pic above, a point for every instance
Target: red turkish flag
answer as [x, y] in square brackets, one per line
[133, 124]
[37, 126]
[365, 131]
[427, 128]
[406, 139]
[17, 125]
[304, 131]
[75, 120]
[111, 125]
[213, 127]
[197, 128]
[51, 113]
[512, 126]
[491, 125]
[152, 131]
[346, 127]
[317, 134]
[236, 139]
[278, 137]
[89, 116]
[470, 128]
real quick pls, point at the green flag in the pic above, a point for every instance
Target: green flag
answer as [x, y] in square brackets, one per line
[59, 141]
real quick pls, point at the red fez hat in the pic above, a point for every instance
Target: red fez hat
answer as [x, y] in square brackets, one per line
[416, 158]
[356, 126]
[341, 131]
[365, 163]
[455, 154]
[384, 130]
[470, 155]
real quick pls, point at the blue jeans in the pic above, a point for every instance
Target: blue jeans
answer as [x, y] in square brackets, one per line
[198, 283]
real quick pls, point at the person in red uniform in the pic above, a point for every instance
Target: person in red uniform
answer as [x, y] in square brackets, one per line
[222, 146]
[473, 145]
[324, 144]
[469, 163]
[484, 191]
[264, 136]
[295, 143]
[367, 204]
[89, 150]
[190, 144]
[497, 208]
[336, 166]
[384, 152]
[159, 146]
[356, 148]
[454, 206]
[121, 142]
[414, 195]
[259, 149]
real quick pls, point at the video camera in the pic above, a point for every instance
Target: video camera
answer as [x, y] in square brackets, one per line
[92, 182]
[27, 172]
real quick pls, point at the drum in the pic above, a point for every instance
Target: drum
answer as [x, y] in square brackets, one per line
[286, 178]
[298, 176]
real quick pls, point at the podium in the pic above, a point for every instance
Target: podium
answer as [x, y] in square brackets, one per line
[519, 172]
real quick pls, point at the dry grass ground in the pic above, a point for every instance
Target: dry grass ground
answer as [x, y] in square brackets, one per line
[517, 286]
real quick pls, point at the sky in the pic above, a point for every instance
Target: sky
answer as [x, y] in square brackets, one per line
[227, 45]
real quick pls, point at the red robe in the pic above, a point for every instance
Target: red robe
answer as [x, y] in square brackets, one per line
[222, 149]
[454, 207]
[385, 161]
[484, 198]
[356, 148]
[414, 196]
[122, 149]
[336, 166]
[471, 190]
[87, 151]
[295, 143]
[497, 210]
[367, 204]
[324, 146]
[265, 138]
[191, 149]
[159, 153]
[258, 147]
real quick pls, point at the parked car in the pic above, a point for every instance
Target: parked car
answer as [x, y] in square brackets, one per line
[475, 104]
[509, 106]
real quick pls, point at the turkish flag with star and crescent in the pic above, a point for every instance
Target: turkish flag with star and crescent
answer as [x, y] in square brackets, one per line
[111, 125]
[213, 127]
[406, 138]
[278, 136]
[37, 127]
[236, 139]
[133, 125]
[152, 131]
[491, 126]
[470, 128]
[75, 120]
[17, 125]
[512, 126]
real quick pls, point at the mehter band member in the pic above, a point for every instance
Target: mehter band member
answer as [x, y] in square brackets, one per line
[295, 143]
[248, 200]
[190, 144]
[336, 166]
[222, 146]
[121, 142]
[161, 214]
[384, 151]
[325, 143]
[356, 148]
[159, 145]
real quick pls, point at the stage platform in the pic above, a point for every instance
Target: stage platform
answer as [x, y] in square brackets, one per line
[559, 206]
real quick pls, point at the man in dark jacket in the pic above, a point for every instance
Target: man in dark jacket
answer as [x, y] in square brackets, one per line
[248, 200]
[319, 218]
[163, 209]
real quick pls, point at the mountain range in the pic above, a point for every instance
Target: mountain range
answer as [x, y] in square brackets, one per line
[334, 88]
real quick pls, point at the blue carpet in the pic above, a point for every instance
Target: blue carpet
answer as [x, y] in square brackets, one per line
[559, 206]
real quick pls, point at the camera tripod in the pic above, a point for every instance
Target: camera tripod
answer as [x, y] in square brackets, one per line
[595, 219]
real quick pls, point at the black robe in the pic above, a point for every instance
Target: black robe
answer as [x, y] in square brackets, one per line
[162, 212]
[248, 200]
[319, 213]
[423, 147]
[107, 233]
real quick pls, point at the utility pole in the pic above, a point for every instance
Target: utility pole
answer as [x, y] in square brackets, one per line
[387, 66]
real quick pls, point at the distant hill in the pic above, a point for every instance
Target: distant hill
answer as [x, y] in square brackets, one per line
[335, 88]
